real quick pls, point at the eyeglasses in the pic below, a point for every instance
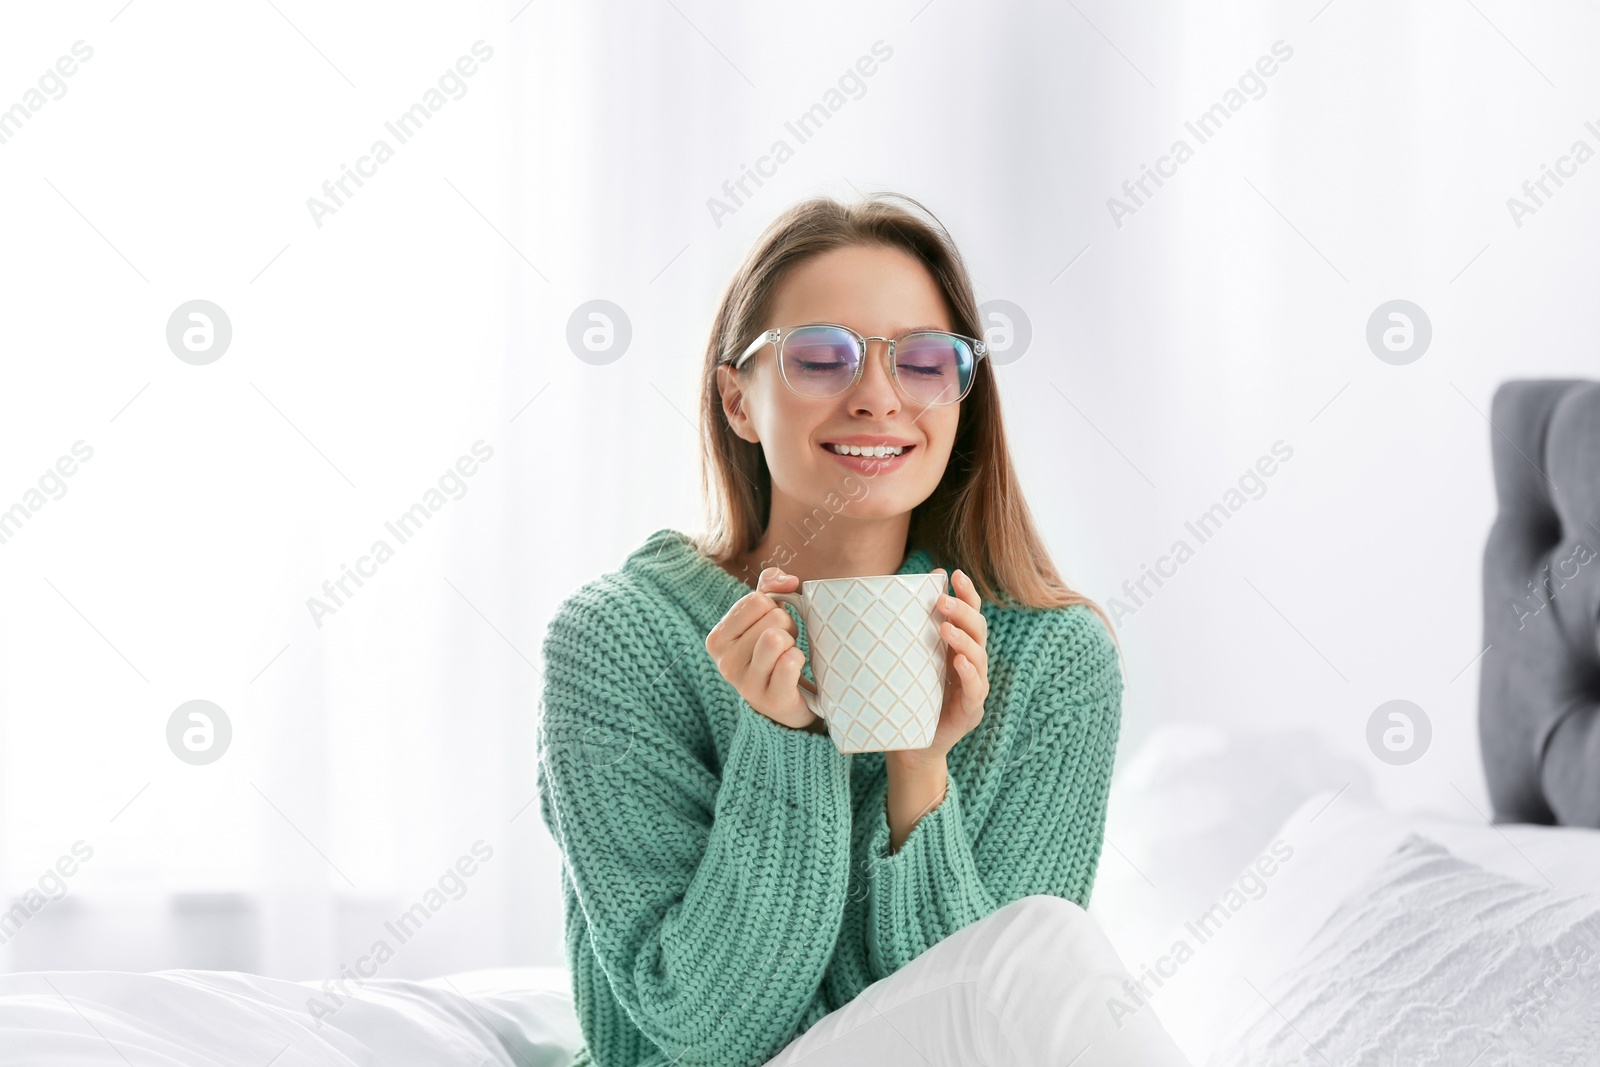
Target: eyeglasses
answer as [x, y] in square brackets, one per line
[823, 359]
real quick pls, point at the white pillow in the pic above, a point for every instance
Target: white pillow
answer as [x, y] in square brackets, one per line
[1200, 976]
[1434, 960]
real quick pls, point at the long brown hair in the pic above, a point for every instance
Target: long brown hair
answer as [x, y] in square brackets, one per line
[976, 518]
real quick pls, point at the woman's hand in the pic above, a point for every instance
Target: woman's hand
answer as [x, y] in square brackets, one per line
[754, 648]
[966, 635]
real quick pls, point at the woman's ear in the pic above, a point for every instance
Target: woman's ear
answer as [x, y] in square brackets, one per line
[733, 406]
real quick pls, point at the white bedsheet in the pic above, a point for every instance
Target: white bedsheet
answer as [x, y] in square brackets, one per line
[1336, 843]
[1187, 824]
[517, 1017]
[1197, 806]
[1434, 960]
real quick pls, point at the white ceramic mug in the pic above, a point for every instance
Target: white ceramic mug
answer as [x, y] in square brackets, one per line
[877, 657]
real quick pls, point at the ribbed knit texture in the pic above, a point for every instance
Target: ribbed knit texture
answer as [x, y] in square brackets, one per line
[727, 880]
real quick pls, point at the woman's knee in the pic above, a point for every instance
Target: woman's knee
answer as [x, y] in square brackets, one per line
[1035, 935]
[1043, 971]
[1051, 932]
[1042, 911]
[1040, 904]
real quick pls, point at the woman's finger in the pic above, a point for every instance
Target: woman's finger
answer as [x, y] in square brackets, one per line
[966, 617]
[784, 676]
[751, 613]
[973, 675]
[738, 620]
[764, 655]
[744, 649]
[974, 688]
[968, 604]
[961, 641]
[750, 607]
[772, 579]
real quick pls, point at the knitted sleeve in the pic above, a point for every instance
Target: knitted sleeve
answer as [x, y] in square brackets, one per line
[712, 907]
[1044, 830]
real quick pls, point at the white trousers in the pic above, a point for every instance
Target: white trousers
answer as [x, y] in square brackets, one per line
[1025, 987]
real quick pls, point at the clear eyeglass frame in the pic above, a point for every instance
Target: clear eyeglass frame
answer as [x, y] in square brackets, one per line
[777, 335]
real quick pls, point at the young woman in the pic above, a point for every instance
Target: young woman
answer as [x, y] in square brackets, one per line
[738, 891]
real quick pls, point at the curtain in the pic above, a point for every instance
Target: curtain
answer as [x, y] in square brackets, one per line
[368, 334]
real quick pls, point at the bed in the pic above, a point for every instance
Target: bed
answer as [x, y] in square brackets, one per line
[1325, 952]
[1349, 934]
[504, 1017]
[1284, 918]
[1539, 702]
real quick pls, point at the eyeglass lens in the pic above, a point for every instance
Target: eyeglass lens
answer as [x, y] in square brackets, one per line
[932, 368]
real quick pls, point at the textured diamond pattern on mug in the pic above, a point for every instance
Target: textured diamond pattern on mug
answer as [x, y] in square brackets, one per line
[875, 691]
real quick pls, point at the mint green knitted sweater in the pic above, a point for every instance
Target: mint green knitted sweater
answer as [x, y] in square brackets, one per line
[727, 880]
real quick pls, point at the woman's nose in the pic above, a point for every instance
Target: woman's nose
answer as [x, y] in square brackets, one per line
[876, 389]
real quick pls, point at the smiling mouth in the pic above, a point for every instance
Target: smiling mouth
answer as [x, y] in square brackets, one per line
[869, 461]
[868, 452]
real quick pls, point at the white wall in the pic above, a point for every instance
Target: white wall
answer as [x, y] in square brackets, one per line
[369, 353]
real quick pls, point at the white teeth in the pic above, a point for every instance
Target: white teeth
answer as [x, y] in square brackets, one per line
[875, 452]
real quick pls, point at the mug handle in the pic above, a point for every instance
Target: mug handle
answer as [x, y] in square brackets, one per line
[812, 700]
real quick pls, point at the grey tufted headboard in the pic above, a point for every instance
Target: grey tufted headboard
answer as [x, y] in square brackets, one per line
[1539, 691]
